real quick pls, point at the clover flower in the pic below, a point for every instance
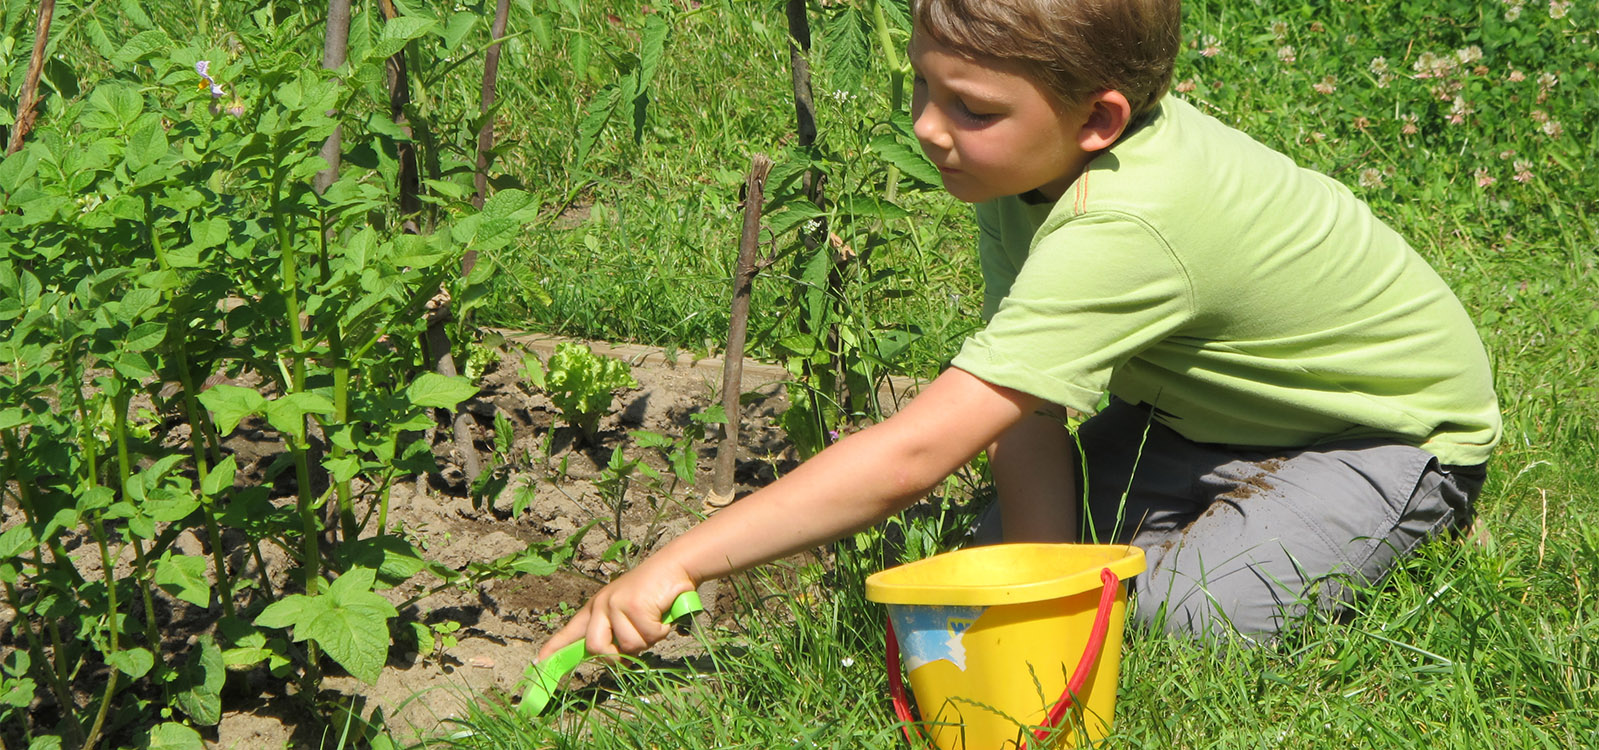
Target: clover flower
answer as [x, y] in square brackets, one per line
[1483, 178]
[1516, 76]
[1186, 86]
[1212, 46]
[1468, 55]
[1553, 129]
[1328, 85]
[1278, 29]
[1559, 8]
[1410, 126]
[1286, 54]
[1523, 171]
[1371, 177]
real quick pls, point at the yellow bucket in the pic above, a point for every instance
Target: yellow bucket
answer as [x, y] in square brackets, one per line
[1009, 646]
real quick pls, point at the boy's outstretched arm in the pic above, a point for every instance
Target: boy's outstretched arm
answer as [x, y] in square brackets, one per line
[850, 486]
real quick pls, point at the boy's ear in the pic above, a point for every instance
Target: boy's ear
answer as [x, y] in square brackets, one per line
[1107, 116]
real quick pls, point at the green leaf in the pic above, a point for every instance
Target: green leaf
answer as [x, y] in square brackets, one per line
[230, 404]
[201, 681]
[290, 611]
[220, 477]
[245, 656]
[651, 49]
[183, 576]
[119, 105]
[797, 213]
[169, 506]
[431, 389]
[145, 336]
[15, 540]
[11, 417]
[209, 233]
[173, 736]
[354, 631]
[865, 206]
[95, 498]
[599, 112]
[146, 146]
[910, 161]
[457, 29]
[394, 559]
[343, 468]
[134, 662]
[287, 414]
[144, 45]
[397, 32]
[17, 168]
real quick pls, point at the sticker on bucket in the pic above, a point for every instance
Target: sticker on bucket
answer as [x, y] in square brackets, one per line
[932, 633]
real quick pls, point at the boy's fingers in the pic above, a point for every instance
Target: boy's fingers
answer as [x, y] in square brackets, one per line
[573, 630]
[625, 634]
[599, 637]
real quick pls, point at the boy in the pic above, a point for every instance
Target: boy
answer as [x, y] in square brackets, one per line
[1296, 397]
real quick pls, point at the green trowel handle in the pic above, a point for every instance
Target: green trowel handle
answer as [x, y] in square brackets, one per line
[543, 677]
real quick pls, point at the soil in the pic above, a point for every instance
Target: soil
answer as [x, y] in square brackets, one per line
[549, 470]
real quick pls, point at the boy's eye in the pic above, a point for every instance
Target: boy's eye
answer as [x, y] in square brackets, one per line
[966, 111]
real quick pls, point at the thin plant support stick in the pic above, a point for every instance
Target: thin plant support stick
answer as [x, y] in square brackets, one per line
[334, 46]
[399, 80]
[485, 134]
[733, 358]
[30, 84]
[437, 338]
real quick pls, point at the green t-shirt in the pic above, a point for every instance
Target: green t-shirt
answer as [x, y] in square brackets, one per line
[1247, 300]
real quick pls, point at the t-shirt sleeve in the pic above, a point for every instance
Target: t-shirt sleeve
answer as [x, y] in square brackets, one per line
[1093, 293]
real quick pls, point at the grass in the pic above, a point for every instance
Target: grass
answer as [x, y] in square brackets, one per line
[1469, 643]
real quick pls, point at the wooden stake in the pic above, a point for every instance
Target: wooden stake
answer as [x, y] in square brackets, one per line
[335, 43]
[738, 327]
[30, 84]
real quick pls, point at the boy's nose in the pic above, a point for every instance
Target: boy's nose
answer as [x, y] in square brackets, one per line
[930, 129]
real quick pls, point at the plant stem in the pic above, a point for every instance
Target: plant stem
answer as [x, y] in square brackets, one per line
[193, 414]
[896, 82]
[57, 684]
[106, 564]
[341, 398]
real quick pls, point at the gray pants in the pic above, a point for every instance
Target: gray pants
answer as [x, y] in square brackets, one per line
[1244, 541]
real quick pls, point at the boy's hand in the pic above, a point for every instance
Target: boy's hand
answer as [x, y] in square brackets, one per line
[625, 616]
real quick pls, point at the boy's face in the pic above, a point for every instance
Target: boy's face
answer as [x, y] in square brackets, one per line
[991, 130]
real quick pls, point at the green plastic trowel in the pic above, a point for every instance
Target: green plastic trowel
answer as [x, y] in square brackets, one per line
[544, 677]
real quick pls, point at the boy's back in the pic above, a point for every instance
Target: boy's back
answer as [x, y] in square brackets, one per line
[1247, 300]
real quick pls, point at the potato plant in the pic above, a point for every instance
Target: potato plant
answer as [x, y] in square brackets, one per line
[163, 250]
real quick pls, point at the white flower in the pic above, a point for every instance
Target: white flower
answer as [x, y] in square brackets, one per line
[203, 67]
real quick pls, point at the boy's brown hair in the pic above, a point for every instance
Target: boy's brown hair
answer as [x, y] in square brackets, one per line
[1074, 47]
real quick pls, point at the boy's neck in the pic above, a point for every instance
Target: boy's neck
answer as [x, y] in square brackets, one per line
[1036, 197]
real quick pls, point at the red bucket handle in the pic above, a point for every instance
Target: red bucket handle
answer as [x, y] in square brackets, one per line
[1091, 652]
